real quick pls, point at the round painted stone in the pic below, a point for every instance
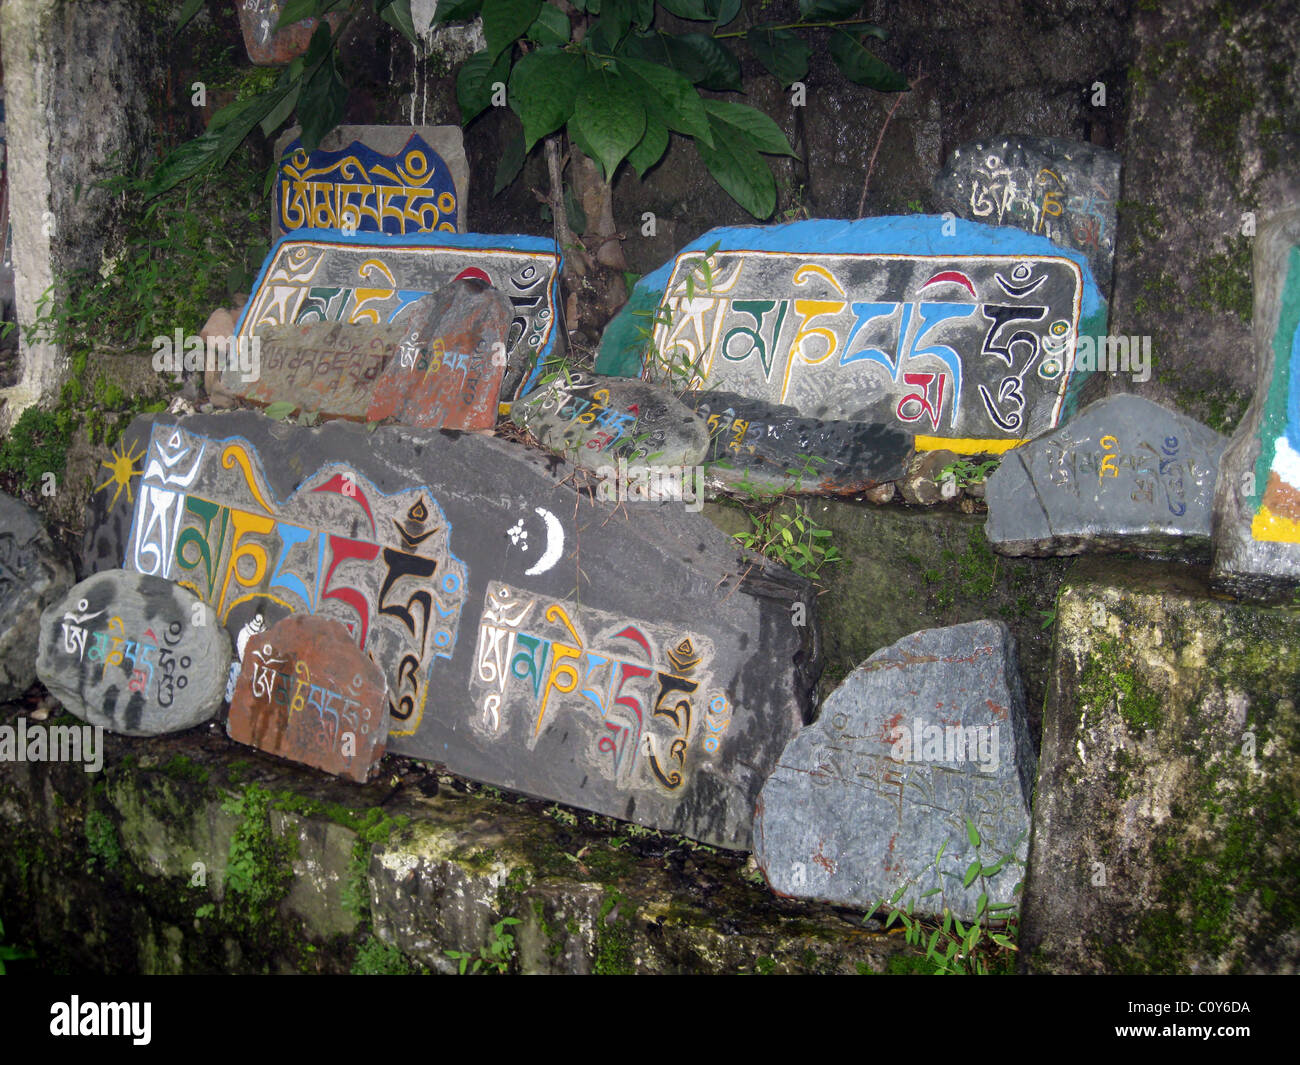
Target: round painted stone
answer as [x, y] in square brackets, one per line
[136, 654]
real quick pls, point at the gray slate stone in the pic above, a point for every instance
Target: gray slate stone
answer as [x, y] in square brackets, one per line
[33, 573]
[1257, 502]
[1125, 474]
[753, 441]
[863, 799]
[1061, 188]
[615, 657]
[123, 650]
[595, 420]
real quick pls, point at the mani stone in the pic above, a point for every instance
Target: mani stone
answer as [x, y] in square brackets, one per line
[595, 420]
[372, 279]
[925, 736]
[268, 46]
[1124, 474]
[1165, 837]
[958, 334]
[323, 367]
[136, 654]
[767, 445]
[1257, 502]
[372, 179]
[33, 573]
[1064, 189]
[449, 368]
[626, 658]
[307, 692]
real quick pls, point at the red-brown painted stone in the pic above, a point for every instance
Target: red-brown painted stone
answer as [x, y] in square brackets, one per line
[258, 19]
[449, 368]
[307, 692]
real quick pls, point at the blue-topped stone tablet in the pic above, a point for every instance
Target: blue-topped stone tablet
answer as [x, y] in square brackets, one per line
[961, 334]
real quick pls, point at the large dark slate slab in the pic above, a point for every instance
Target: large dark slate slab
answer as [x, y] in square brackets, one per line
[594, 420]
[372, 279]
[530, 637]
[33, 573]
[772, 446]
[1125, 474]
[927, 734]
[1257, 502]
[133, 653]
[372, 179]
[962, 335]
[1063, 189]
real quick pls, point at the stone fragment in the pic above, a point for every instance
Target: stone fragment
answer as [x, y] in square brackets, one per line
[923, 739]
[881, 494]
[134, 653]
[307, 692]
[33, 573]
[1125, 474]
[268, 46]
[753, 442]
[1063, 189]
[1164, 838]
[625, 658]
[373, 279]
[1257, 500]
[959, 334]
[595, 420]
[448, 370]
[923, 483]
[372, 179]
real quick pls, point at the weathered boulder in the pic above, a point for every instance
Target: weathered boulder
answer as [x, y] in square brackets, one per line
[1125, 474]
[33, 573]
[134, 653]
[924, 740]
[1165, 838]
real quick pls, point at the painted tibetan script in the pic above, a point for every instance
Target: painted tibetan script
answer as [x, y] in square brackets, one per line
[337, 546]
[358, 188]
[643, 695]
[958, 347]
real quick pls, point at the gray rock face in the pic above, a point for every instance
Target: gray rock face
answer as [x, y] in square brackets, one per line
[1257, 502]
[924, 736]
[136, 654]
[1063, 189]
[760, 443]
[595, 420]
[32, 575]
[1124, 474]
[612, 657]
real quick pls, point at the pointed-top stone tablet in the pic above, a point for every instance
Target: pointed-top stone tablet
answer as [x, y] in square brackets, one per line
[924, 741]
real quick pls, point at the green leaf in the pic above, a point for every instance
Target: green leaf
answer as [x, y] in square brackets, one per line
[398, 15]
[762, 132]
[650, 148]
[551, 27]
[669, 96]
[543, 88]
[474, 82]
[993, 870]
[739, 169]
[700, 59]
[297, 10]
[279, 411]
[981, 905]
[456, 10]
[972, 833]
[932, 891]
[612, 118]
[827, 10]
[510, 163]
[698, 10]
[643, 13]
[783, 53]
[278, 114]
[934, 938]
[190, 9]
[322, 103]
[505, 21]
[615, 20]
[725, 11]
[971, 873]
[859, 65]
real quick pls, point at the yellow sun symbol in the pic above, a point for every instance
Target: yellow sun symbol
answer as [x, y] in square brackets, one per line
[122, 467]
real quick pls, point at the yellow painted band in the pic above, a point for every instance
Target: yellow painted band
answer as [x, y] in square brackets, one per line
[964, 446]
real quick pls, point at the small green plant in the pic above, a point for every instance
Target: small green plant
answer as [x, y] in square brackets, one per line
[1049, 618]
[793, 538]
[951, 947]
[495, 958]
[967, 473]
[10, 953]
[37, 444]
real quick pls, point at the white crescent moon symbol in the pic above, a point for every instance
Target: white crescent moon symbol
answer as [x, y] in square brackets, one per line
[554, 544]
